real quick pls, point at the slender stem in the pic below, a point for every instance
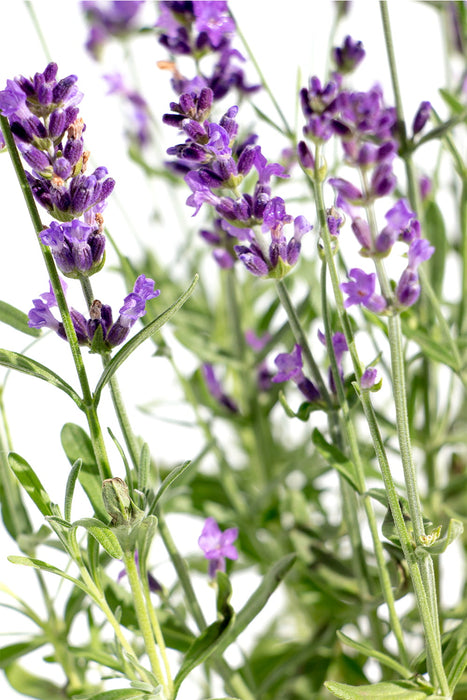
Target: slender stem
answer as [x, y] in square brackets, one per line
[144, 622]
[87, 290]
[231, 678]
[130, 439]
[264, 83]
[349, 429]
[158, 636]
[32, 13]
[301, 338]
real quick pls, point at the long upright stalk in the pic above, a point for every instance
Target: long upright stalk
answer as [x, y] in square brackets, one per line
[87, 400]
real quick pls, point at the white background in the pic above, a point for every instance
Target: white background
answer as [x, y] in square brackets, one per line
[286, 38]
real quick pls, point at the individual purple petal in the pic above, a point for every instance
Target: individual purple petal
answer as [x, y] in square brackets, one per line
[346, 189]
[408, 287]
[362, 232]
[400, 215]
[289, 366]
[362, 291]
[420, 250]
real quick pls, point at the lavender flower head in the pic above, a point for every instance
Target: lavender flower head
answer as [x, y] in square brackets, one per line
[217, 545]
[43, 116]
[100, 318]
[77, 247]
[198, 29]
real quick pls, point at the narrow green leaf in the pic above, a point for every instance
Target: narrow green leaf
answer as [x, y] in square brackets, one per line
[146, 533]
[435, 232]
[70, 488]
[435, 350]
[144, 467]
[335, 458]
[139, 338]
[103, 534]
[21, 363]
[399, 690]
[452, 102]
[457, 668]
[202, 648]
[168, 481]
[12, 652]
[258, 599]
[368, 651]
[38, 564]
[31, 685]
[14, 514]
[264, 117]
[31, 483]
[92, 653]
[78, 445]
[17, 319]
[120, 694]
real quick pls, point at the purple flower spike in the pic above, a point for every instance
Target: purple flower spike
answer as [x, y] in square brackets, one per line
[217, 545]
[78, 248]
[362, 291]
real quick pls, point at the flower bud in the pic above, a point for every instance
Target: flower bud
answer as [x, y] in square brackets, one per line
[118, 503]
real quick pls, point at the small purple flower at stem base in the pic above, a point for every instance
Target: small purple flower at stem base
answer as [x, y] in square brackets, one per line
[362, 291]
[216, 390]
[217, 545]
[290, 366]
[369, 378]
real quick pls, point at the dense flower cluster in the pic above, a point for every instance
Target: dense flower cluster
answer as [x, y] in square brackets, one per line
[215, 163]
[367, 129]
[43, 115]
[199, 29]
[100, 316]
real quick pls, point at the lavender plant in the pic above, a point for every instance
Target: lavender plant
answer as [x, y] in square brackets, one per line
[317, 343]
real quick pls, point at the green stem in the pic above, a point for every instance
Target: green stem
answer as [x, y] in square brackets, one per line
[262, 442]
[430, 623]
[352, 442]
[87, 405]
[144, 623]
[234, 682]
[30, 8]
[158, 636]
[302, 340]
